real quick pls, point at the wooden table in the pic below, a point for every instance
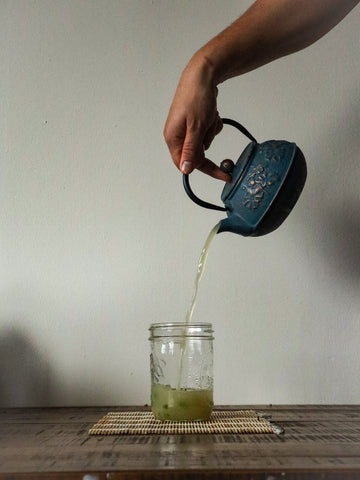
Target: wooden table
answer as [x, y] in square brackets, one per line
[320, 442]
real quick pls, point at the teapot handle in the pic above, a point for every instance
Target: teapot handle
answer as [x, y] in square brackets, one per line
[234, 123]
[186, 183]
[198, 200]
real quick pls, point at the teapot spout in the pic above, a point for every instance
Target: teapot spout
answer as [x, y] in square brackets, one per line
[234, 225]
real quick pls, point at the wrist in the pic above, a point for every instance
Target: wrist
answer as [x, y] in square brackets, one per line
[215, 64]
[202, 67]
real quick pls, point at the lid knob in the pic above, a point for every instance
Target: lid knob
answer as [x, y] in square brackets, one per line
[227, 166]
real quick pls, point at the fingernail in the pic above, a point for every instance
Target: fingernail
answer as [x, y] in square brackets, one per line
[186, 167]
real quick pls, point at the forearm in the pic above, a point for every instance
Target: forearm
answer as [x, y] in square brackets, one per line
[268, 30]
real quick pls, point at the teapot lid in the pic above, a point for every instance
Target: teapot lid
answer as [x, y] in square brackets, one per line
[238, 171]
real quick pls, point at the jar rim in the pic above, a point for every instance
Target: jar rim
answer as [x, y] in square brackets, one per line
[181, 329]
[180, 324]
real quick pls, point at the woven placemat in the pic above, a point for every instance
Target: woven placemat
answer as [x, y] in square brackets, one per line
[221, 421]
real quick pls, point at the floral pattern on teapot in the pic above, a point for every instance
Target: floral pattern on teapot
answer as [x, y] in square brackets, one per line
[258, 184]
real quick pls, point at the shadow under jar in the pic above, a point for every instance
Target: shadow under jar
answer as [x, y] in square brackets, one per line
[181, 365]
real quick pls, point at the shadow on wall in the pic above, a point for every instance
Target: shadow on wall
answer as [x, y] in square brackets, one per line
[24, 373]
[27, 379]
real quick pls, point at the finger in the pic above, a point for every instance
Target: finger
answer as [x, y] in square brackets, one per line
[219, 124]
[174, 138]
[210, 168]
[215, 128]
[192, 154]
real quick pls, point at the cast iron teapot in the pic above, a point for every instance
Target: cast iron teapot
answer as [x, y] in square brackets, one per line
[267, 181]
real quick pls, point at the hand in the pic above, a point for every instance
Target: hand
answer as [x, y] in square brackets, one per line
[193, 121]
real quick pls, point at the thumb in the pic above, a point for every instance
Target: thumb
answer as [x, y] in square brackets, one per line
[192, 154]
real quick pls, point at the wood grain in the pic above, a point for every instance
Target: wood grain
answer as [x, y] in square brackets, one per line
[320, 442]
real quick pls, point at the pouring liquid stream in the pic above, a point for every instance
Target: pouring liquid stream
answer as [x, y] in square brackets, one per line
[200, 270]
[199, 274]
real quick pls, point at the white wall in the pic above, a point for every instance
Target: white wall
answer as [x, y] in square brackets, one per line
[98, 239]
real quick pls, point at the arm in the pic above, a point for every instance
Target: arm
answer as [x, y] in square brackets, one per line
[268, 30]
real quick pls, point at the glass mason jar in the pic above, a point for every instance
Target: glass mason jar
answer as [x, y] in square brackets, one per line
[181, 364]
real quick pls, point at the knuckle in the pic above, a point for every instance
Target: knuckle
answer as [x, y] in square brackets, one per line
[188, 151]
[168, 135]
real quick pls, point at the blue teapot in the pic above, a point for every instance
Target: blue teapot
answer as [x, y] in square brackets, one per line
[267, 181]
